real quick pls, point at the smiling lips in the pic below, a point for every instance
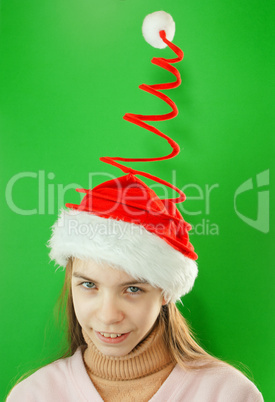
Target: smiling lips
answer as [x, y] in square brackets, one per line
[111, 337]
[107, 335]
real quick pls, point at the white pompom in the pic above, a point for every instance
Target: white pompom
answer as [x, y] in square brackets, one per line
[155, 22]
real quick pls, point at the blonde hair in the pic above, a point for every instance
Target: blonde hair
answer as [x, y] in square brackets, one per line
[178, 337]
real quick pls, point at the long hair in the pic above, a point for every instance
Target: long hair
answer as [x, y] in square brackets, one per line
[178, 337]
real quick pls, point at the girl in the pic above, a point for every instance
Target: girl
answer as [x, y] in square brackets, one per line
[128, 340]
[128, 260]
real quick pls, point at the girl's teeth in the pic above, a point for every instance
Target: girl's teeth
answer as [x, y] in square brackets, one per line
[110, 335]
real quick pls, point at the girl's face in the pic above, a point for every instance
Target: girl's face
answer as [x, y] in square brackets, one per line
[110, 302]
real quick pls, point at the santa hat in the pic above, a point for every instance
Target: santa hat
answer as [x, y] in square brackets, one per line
[122, 221]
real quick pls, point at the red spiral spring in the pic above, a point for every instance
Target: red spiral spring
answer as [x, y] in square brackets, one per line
[140, 119]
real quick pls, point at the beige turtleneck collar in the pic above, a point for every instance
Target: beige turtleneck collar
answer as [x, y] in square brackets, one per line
[149, 356]
[136, 376]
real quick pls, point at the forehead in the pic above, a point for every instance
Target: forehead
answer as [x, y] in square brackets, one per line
[101, 272]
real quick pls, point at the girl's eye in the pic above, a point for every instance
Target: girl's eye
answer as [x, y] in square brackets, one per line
[134, 289]
[88, 285]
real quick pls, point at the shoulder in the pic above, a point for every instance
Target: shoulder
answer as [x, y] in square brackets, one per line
[220, 383]
[49, 381]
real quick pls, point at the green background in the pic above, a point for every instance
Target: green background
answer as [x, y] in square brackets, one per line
[69, 70]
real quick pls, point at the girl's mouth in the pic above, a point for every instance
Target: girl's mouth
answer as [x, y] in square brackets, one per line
[111, 338]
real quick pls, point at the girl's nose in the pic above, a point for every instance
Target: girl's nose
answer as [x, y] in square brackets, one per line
[109, 311]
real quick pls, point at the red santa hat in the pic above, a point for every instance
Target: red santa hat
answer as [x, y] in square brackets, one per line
[122, 221]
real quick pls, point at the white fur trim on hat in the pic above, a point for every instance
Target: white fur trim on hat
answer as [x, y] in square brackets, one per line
[153, 24]
[125, 246]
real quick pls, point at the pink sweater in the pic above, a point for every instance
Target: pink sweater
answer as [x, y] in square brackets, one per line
[66, 380]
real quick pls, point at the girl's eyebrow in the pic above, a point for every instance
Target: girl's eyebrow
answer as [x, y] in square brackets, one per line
[82, 276]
